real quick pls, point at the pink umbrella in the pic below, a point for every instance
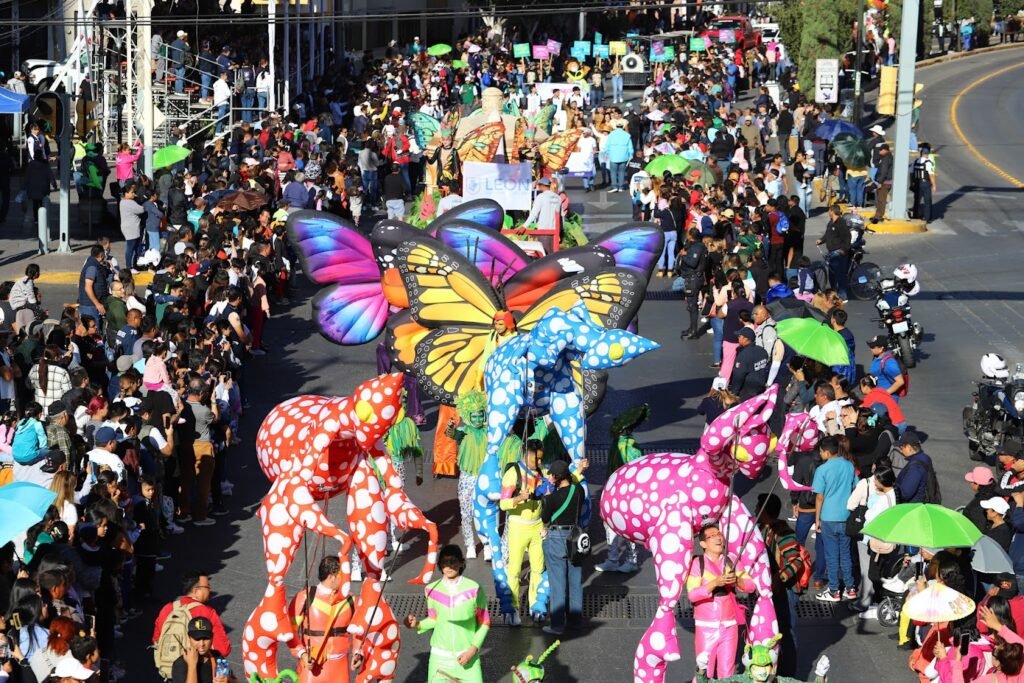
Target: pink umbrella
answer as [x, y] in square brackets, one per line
[938, 603]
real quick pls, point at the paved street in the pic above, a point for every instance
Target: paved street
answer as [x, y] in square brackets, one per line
[970, 304]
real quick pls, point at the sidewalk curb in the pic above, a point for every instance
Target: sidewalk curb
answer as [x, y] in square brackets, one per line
[892, 226]
[954, 56]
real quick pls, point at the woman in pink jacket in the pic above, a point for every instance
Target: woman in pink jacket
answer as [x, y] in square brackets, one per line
[711, 588]
[1007, 655]
[126, 158]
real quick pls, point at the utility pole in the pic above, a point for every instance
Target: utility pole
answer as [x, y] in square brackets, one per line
[858, 65]
[287, 59]
[64, 169]
[144, 64]
[904, 108]
[271, 59]
[129, 72]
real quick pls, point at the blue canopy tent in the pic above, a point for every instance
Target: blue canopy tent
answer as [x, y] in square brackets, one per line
[13, 103]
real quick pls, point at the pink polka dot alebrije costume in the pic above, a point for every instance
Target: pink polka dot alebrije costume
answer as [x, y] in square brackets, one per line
[313, 448]
[662, 501]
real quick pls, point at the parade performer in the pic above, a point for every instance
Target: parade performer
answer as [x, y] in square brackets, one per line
[521, 504]
[759, 667]
[457, 614]
[322, 643]
[531, 670]
[711, 587]
[622, 452]
[471, 437]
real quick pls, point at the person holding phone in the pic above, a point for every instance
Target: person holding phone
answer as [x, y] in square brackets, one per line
[200, 663]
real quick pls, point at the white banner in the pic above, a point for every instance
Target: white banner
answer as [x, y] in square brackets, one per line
[826, 81]
[548, 90]
[511, 185]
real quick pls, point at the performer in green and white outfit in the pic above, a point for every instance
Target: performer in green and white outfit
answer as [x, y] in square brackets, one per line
[471, 436]
[457, 614]
[402, 443]
[623, 451]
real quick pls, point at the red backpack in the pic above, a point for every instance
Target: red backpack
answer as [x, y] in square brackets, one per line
[904, 373]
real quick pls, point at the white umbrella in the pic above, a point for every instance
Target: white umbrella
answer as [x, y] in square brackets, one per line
[990, 558]
[656, 115]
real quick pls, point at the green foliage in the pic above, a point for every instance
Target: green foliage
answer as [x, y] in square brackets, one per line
[819, 38]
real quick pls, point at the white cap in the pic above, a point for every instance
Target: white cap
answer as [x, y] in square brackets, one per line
[877, 129]
[136, 305]
[150, 258]
[182, 34]
[996, 503]
[719, 384]
[69, 667]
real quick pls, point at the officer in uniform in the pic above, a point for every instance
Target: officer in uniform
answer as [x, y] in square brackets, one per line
[322, 643]
[690, 266]
[750, 374]
[924, 183]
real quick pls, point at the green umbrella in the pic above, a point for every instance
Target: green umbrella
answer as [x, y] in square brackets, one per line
[700, 173]
[439, 49]
[814, 339]
[852, 150]
[459, 64]
[673, 163]
[923, 525]
[170, 155]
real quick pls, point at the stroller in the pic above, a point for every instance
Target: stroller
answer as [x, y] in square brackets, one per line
[895, 590]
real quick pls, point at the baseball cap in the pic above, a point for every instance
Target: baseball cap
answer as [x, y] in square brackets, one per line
[56, 409]
[124, 363]
[996, 503]
[1011, 447]
[879, 409]
[909, 438]
[69, 667]
[980, 476]
[559, 468]
[746, 332]
[200, 628]
[136, 305]
[544, 181]
[54, 458]
[105, 435]
[877, 129]
[879, 341]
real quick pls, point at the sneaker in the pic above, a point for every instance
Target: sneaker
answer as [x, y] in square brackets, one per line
[183, 520]
[118, 633]
[258, 352]
[487, 553]
[117, 673]
[163, 555]
[357, 574]
[850, 594]
[828, 596]
[553, 631]
[175, 529]
[218, 511]
[608, 566]
[629, 568]
[471, 552]
[514, 620]
[384, 576]
[869, 613]
[209, 521]
[158, 568]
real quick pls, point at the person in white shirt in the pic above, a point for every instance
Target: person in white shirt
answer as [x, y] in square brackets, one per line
[103, 454]
[449, 198]
[587, 149]
[532, 101]
[221, 101]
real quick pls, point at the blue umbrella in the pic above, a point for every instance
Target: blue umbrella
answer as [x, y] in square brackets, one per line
[833, 127]
[21, 505]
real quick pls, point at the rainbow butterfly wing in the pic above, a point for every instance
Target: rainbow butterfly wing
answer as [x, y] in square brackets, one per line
[555, 151]
[333, 252]
[385, 238]
[634, 246]
[482, 143]
[485, 212]
[495, 255]
[531, 283]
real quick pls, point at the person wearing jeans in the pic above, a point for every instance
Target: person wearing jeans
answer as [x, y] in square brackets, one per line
[832, 484]
[618, 149]
[560, 512]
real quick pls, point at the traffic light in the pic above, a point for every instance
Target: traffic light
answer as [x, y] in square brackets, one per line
[887, 91]
[48, 110]
[84, 120]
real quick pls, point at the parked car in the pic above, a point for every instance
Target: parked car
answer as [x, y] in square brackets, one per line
[747, 37]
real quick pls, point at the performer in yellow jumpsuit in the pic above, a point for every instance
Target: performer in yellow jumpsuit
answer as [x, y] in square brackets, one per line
[518, 499]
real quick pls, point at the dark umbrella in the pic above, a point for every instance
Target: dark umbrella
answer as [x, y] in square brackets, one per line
[833, 127]
[243, 200]
[791, 307]
[852, 150]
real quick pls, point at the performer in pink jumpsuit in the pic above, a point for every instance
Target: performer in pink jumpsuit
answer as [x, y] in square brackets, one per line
[711, 588]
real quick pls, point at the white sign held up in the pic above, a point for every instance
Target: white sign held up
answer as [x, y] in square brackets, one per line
[510, 185]
[826, 81]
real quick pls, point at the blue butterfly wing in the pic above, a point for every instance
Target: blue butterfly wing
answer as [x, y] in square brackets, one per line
[485, 212]
[497, 257]
[636, 246]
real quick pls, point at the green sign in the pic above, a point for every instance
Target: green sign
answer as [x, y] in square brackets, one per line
[598, 38]
[521, 50]
[697, 45]
[601, 51]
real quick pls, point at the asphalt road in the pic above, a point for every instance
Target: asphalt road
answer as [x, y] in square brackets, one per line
[972, 286]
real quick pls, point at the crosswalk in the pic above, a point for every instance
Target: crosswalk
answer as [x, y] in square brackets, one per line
[977, 227]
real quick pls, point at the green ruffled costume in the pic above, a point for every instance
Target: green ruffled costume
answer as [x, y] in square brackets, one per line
[403, 442]
[457, 614]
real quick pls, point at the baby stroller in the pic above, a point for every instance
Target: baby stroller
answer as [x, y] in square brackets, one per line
[895, 590]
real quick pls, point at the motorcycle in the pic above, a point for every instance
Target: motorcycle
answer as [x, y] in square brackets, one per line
[893, 305]
[995, 413]
[861, 274]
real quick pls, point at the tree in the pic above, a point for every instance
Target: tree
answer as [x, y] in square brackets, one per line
[826, 32]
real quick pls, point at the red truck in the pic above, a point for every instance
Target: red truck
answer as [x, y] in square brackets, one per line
[746, 37]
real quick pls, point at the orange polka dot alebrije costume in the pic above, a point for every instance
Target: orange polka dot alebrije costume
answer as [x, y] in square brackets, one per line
[313, 448]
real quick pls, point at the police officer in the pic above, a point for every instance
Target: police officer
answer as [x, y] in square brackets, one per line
[690, 266]
[924, 183]
[750, 374]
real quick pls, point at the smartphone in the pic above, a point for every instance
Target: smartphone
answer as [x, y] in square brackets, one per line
[223, 667]
[965, 643]
[91, 620]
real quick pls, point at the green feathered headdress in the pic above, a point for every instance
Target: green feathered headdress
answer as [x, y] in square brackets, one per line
[474, 401]
[630, 420]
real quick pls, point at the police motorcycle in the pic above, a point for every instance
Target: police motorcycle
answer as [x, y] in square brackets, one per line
[996, 409]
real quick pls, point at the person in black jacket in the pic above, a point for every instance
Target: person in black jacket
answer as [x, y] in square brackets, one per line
[837, 242]
[147, 545]
[177, 203]
[784, 129]
[690, 266]
[750, 374]
[983, 485]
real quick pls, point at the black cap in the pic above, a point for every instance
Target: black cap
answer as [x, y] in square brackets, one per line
[559, 469]
[54, 459]
[879, 341]
[56, 408]
[200, 628]
[745, 332]
[909, 438]
[1011, 447]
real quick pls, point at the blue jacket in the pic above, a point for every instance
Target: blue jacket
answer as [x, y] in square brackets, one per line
[1016, 520]
[779, 291]
[912, 482]
[29, 442]
[619, 146]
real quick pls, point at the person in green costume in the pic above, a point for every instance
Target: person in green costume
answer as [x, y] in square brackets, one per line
[471, 437]
[759, 667]
[622, 556]
[457, 614]
[402, 443]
